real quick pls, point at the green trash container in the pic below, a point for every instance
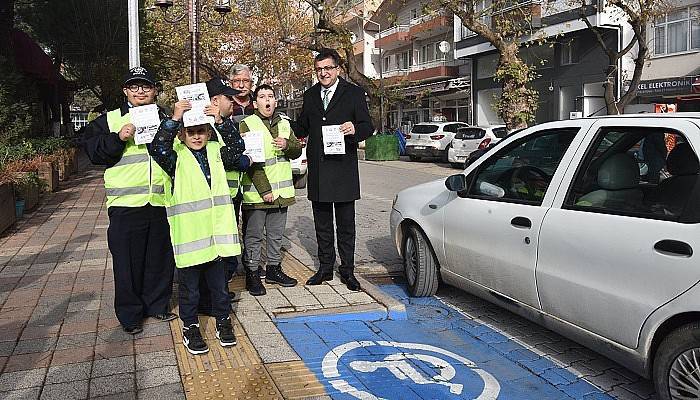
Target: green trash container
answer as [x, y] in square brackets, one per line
[382, 148]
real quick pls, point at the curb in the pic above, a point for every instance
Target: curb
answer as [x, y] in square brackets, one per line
[390, 307]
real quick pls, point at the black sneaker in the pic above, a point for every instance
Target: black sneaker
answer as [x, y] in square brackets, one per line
[262, 272]
[224, 332]
[253, 284]
[193, 340]
[275, 275]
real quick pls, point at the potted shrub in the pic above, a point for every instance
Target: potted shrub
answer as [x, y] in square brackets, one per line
[27, 186]
[48, 172]
[7, 201]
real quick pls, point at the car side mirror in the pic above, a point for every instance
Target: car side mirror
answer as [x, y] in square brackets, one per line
[456, 183]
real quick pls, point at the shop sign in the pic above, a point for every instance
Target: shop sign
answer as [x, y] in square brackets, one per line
[668, 86]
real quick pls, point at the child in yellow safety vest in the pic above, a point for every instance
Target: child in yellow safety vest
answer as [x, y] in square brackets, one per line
[268, 190]
[203, 229]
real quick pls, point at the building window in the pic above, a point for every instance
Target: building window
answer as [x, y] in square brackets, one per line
[678, 31]
[569, 55]
[431, 52]
[414, 13]
[386, 63]
[404, 60]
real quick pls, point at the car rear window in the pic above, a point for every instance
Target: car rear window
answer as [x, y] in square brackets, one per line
[500, 132]
[470, 133]
[424, 129]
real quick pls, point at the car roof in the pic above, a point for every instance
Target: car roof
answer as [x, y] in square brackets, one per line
[440, 123]
[692, 115]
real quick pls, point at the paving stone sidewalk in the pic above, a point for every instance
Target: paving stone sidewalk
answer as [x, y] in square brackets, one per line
[59, 337]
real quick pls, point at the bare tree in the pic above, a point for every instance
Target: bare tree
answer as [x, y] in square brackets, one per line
[506, 25]
[637, 14]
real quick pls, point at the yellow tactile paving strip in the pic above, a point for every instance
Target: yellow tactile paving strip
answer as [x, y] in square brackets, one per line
[238, 372]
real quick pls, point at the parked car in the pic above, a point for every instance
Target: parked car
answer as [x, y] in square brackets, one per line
[431, 139]
[299, 166]
[471, 138]
[555, 224]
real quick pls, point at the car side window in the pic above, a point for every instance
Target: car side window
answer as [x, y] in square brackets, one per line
[451, 128]
[637, 171]
[522, 171]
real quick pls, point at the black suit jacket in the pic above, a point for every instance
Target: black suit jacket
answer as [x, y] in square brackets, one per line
[333, 178]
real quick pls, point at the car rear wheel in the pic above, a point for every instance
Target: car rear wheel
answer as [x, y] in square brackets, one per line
[300, 181]
[446, 153]
[677, 364]
[457, 165]
[420, 264]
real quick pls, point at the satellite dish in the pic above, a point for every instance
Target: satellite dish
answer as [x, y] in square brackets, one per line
[444, 46]
[353, 37]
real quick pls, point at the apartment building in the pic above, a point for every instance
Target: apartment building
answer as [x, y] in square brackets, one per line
[415, 46]
[671, 78]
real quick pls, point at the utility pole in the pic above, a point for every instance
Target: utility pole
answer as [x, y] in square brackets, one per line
[134, 53]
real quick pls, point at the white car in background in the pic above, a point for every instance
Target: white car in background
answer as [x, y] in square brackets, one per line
[468, 139]
[431, 139]
[556, 223]
[299, 166]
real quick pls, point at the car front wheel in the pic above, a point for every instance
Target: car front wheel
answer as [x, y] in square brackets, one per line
[420, 264]
[677, 364]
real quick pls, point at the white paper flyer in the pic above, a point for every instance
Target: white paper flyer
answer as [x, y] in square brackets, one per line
[199, 97]
[333, 140]
[146, 121]
[254, 146]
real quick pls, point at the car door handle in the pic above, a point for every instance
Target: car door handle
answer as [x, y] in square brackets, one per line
[673, 248]
[521, 222]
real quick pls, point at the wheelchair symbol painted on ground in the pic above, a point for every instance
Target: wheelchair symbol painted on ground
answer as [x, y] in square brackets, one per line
[403, 366]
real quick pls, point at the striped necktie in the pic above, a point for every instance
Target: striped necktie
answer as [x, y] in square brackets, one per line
[325, 98]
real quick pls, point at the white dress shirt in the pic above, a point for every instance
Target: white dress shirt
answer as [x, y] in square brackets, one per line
[331, 91]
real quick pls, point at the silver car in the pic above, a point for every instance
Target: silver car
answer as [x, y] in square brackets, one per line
[556, 223]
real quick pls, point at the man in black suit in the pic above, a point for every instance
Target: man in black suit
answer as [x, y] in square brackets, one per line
[333, 183]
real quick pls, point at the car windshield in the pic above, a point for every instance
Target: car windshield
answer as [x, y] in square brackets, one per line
[470, 133]
[424, 129]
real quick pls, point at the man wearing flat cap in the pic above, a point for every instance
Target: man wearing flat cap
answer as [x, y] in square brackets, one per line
[138, 234]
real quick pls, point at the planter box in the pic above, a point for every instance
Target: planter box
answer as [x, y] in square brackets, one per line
[49, 173]
[67, 167]
[7, 206]
[30, 194]
[382, 148]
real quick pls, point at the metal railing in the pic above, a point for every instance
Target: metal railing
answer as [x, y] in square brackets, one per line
[427, 17]
[392, 30]
[435, 63]
[396, 72]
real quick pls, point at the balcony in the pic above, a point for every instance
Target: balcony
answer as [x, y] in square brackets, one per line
[431, 24]
[434, 69]
[393, 38]
[395, 72]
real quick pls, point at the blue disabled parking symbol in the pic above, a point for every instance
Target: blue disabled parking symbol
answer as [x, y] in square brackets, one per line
[434, 353]
[438, 369]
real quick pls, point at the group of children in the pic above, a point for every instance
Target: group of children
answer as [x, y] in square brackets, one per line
[207, 166]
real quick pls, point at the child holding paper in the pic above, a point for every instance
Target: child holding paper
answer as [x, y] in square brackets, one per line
[267, 191]
[200, 214]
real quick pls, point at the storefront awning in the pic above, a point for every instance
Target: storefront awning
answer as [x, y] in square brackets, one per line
[461, 83]
[32, 60]
[677, 86]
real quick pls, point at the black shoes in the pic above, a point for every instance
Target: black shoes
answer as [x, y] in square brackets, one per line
[350, 281]
[132, 330]
[193, 340]
[262, 272]
[224, 332]
[253, 284]
[275, 275]
[167, 316]
[319, 277]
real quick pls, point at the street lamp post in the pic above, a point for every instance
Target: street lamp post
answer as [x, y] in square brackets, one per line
[381, 66]
[195, 10]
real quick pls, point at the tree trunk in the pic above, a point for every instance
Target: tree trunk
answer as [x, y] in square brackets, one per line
[518, 103]
[7, 19]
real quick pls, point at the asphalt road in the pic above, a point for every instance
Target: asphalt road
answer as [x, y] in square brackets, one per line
[559, 361]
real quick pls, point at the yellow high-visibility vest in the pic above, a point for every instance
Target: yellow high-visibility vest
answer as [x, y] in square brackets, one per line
[277, 167]
[136, 180]
[201, 218]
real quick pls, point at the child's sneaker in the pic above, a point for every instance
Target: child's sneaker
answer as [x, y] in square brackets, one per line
[224, 332]
[193, 340]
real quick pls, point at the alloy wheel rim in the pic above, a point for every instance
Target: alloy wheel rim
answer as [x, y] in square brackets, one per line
[684, 376]
[411, 261]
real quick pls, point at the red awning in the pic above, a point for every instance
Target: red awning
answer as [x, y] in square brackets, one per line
[31, 59]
